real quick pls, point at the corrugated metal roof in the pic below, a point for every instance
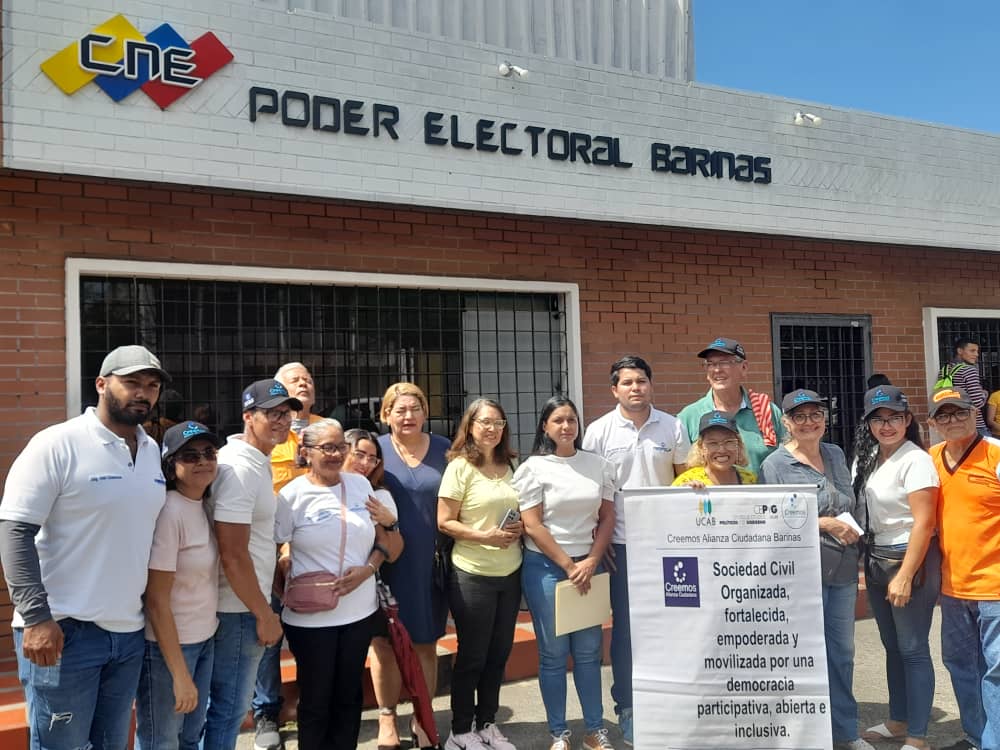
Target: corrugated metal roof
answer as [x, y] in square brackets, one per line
[646, 36]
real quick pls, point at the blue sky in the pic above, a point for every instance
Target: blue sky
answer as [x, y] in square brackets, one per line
[932, 61]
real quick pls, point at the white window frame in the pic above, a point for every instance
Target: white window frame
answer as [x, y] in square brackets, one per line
[931, 317]
[77, 267]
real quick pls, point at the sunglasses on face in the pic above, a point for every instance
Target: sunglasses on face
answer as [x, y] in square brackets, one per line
[191, 456]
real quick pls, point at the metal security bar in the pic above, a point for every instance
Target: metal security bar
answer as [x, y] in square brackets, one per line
[216, 337]
[829, 354]
[985, 332]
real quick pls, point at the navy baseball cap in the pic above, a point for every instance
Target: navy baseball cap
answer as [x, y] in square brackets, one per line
[266, 394]
[183, 433]
[800, 397]
[884, 397]
[717, 419]
[724, 346]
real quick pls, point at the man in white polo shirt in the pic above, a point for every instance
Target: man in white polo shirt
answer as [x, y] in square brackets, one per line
[649, 447]
[242, 507]
[76, 526]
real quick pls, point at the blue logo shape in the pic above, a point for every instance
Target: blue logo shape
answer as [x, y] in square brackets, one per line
[719, 418]
[880, 398]
[802, 396]
[278, 390]
[680, 582]
[193, 428]
[717, 342]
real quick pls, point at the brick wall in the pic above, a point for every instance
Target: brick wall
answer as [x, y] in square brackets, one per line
[659, 291]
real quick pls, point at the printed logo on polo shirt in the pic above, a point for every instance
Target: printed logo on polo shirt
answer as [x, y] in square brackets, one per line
[680, 582]
[120, 60]
[104, 477]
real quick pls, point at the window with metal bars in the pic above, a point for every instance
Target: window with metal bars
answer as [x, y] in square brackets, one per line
[829, 354]
[216, 337]
[986, 333]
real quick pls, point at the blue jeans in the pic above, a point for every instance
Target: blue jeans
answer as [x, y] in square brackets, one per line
[157, 725]
[970, 649]
[267, 692]
[838, 629]
[234, 670]
[621, 634]
[905, 633]
[86, 699]
[539, 576]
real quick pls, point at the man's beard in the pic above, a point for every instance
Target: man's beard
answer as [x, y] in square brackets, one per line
[121, 415]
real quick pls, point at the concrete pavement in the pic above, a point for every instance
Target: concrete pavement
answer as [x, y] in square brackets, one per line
[523, 717]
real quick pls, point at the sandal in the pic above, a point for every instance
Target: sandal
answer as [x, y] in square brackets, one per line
[880, 733]
[387, 746]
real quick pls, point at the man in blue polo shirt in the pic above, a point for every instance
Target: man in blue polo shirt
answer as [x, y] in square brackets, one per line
[758, 419]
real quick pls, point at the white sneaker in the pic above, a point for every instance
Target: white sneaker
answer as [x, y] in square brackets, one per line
[560, 741]
[464, 741]
[492, 737]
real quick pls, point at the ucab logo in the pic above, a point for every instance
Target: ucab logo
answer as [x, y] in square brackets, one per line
[120, 60]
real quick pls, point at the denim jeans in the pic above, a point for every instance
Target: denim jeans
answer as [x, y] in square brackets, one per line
[267, 692]
[234, 671]
[970, 649]
[86, 699]
[838, 628]
[539, 576]
[905, 633]
[331, 664]
[621, 634]
[485, 612]
[157, 725]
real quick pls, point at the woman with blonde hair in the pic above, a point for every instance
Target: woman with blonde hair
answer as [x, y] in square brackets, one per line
[718, 456]
[414, 462]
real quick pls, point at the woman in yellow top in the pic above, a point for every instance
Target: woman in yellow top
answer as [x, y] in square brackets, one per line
[716, 455]
[484, 592]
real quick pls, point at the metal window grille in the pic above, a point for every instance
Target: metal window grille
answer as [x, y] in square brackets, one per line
[985, 332]
[216, 337]
[829, 354]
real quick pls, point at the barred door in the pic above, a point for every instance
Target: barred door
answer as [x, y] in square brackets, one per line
[829, 354]
[985, 332]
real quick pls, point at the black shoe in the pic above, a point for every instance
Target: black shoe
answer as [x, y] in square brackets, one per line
[962, 744]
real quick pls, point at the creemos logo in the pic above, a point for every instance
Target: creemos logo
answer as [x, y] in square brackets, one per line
[120, 60]
[680, 582]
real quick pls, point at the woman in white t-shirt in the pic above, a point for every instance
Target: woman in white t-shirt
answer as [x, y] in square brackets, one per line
[899, 483]
[182, 594]
[324, 517]
[567, 506]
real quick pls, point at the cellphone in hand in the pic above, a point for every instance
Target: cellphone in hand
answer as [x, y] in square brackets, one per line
[511, 516]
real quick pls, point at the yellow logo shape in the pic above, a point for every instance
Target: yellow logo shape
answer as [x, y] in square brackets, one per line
[63, 68]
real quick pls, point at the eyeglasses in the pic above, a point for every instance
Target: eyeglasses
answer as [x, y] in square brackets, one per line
[486, 423]
[893, 420]
[816, 417]
[729, 444]
[363, 457]
[947, 417]
[713, 364]
[329, 449]
[277, 415]
[193, 456]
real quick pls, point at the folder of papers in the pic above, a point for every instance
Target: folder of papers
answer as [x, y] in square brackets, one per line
[576, 612]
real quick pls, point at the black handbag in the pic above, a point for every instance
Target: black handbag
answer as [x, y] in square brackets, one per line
[882, 564]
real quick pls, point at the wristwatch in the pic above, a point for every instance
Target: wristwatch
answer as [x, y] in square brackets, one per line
[394, 526]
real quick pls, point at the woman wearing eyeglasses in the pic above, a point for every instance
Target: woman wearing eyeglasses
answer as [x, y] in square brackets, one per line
[364, 457]
[475, 500]
[414, 463]
[182, 593]
[323, 516]
[717, 456]
[896, 478]
[805, 459]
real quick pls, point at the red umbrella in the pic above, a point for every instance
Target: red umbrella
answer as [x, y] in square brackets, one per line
[409, 664]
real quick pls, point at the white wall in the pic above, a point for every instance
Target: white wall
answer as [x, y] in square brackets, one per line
[857, 176]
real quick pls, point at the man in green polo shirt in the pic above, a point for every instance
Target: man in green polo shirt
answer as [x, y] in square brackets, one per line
[758, 419]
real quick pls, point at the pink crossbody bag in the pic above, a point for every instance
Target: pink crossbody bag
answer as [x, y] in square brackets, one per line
[317, 591]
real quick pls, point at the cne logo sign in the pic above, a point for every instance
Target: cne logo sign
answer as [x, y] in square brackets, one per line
[121, 60]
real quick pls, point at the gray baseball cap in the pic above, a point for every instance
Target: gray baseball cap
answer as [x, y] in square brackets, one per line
[126, 360]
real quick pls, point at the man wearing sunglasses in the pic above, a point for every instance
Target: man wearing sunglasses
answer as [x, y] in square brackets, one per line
[969, 536]
[242, 506]
[76, 528]
[266, 703]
